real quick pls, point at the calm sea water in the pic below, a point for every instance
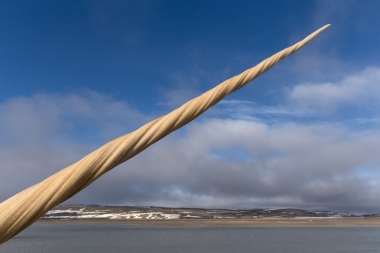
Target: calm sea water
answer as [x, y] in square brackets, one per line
[122, 237]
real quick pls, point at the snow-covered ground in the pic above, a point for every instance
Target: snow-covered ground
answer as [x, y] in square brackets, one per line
[103, 214]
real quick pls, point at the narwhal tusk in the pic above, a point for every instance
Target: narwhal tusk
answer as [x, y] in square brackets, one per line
[24, 208]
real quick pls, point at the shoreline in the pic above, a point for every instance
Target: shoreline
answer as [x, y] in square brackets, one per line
[257, 222]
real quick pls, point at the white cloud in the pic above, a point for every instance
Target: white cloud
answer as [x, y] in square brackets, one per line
[307, 166]
[44, 133]
[360, 88]
[213, 163]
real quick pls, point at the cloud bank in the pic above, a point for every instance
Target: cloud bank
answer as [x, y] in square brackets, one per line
[359, 88]
[217, 161]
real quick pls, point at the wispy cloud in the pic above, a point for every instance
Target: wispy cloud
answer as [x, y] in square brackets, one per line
[358, 88]
[246, 110]
[367, 120]
[185, 89]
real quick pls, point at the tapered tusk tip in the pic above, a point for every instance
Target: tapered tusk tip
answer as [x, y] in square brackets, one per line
[326, 26]
[317, 32]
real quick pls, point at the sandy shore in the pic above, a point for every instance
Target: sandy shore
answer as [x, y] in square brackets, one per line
[259, 222]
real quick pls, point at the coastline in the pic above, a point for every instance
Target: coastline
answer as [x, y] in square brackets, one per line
[256, 222]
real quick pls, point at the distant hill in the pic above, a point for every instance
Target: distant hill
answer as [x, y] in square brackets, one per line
[164, 213]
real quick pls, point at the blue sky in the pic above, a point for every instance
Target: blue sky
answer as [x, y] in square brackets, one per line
[76, 74]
